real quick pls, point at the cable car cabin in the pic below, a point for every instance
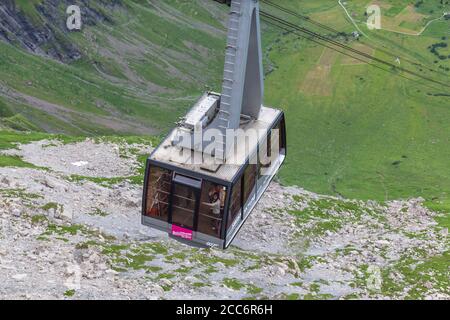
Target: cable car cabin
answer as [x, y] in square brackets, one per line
[196, 204]
[202, 182]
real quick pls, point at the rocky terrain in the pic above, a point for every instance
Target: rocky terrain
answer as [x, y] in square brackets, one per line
[70, 229]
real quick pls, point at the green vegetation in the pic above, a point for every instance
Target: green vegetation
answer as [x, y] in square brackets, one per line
[311, 296]
[98, 212]
[136, 257]
[361, 132]
[199, 285]
[18, 122]
[63, 229]
[58, 231]
[206, 259]
[28, 8]
[411, 278]
[50, 206]
[237, 285]
[353, 130]
[37, 219]
[148, 87]
[19, 193]
[106, 182]
[323, 216]
[233, 284]
[14, 161]
[292, 296]
[69, 293]
[9, 140]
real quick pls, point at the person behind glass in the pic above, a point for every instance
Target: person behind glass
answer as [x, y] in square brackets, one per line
[215, 189]
[215, 209]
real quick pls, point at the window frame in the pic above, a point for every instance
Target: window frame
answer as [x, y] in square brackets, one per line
[147, 182]
[280, 120]
[223, 216]
[239, 183]
[183, 182]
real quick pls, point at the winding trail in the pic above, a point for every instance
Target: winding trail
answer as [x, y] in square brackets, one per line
[419, 33]
[352, 20]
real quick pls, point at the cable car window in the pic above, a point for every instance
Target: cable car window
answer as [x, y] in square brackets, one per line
[250, 184]
[268, 156]
[187, 181]
[264, 162]
[158, 194]
[280, 129]
[184, 201]
[235, 211]
[212, 202]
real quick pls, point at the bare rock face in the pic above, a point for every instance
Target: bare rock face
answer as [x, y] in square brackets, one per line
[43, 31]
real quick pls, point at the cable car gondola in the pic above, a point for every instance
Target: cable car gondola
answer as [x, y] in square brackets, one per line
[203, 181]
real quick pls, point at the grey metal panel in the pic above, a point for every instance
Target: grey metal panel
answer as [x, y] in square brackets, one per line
[155, 223]
[254, 79]
[198, 237]
[207, 240]
[241, 26]
[243, 83]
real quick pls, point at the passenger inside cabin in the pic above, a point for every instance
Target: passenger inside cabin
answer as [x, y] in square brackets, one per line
[220, 191]
[215, 189]
[215, 206]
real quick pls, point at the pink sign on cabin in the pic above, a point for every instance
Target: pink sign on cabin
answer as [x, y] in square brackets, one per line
[181, 232]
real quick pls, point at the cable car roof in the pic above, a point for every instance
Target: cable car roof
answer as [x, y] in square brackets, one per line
[171, 154]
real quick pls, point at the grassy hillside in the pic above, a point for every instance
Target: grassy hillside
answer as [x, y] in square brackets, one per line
[353, 130]
[139, 70]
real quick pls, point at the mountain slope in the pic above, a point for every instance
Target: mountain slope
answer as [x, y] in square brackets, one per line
[353, 130]
[73, 209]
[134, 68]
[71, 205]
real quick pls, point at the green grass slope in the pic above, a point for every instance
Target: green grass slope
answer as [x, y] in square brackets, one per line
[353, 130]
[144, 67]
[358, 131]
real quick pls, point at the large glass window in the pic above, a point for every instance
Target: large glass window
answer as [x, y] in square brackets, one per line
[264, 162]
[268, 155]
[184, 201]
[235, 211]
[212, 202]
[158, 193]
[250, 184]
[280, 130]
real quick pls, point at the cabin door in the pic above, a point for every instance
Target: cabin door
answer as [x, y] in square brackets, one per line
[185, 201]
